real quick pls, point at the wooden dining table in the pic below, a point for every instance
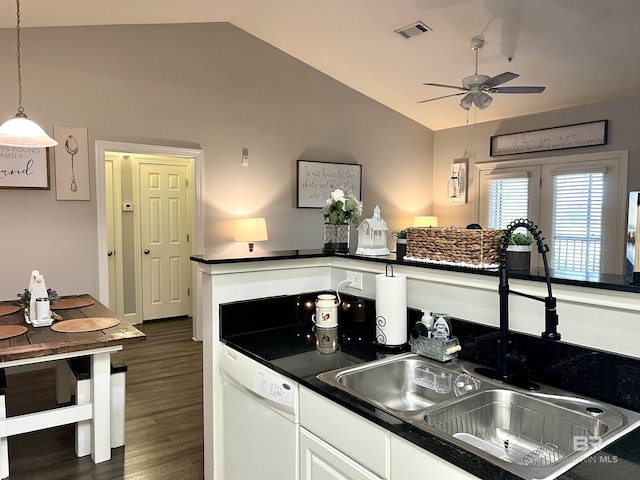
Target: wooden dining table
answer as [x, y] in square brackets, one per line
[44, 344]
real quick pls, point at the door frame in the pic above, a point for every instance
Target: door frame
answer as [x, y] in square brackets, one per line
[102, 147]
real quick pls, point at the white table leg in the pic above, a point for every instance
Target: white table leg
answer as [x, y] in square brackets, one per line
[101, 400]
[4, 445]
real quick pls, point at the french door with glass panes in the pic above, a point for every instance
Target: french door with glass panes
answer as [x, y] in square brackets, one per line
[575, 203]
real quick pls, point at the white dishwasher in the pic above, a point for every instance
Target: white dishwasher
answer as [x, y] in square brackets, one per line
[260, 420]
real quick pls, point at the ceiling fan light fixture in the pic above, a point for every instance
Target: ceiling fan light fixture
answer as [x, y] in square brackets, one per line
[467, 101]
[477, 84]
[482, 100]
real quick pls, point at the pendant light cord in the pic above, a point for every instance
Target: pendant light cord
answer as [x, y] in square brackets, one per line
[19, 63]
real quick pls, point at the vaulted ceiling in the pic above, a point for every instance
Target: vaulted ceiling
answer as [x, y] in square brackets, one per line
[582, 51]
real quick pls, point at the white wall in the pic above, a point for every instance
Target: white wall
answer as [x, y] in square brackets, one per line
[208, 86]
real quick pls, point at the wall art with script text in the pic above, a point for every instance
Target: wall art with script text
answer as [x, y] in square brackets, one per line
[24, 167]
[316, 181]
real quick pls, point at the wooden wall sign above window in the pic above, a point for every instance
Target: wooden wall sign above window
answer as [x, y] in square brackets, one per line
[557, 138]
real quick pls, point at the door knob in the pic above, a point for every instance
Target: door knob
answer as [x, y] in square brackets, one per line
[109, 253]
[146, 251]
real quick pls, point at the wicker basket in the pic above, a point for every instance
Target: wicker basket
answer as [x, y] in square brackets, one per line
[454, 245]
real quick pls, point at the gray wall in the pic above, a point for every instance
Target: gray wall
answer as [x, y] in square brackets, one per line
[473, 142]
[208, 86]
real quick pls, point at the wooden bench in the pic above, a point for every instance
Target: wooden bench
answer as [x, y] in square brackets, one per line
[78, 370]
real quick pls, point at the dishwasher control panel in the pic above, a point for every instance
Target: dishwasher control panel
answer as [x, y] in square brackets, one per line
[273, 387]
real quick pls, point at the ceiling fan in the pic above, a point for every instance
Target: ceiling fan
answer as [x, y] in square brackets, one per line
[476, 88]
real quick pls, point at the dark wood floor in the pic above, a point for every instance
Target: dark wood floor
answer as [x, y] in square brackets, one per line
[164, 431]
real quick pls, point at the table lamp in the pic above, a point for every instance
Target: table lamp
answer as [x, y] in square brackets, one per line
[423, 221]
[250, 230]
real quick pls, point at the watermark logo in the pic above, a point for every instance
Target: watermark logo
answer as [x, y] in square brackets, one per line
[582, 443]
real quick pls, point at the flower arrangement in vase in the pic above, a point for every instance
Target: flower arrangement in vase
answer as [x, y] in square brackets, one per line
[341, 210]
[25, 297]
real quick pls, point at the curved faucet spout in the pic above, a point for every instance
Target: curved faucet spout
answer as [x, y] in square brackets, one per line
[551, 317]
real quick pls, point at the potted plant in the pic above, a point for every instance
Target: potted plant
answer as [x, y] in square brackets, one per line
[519, 253]
[401, 243]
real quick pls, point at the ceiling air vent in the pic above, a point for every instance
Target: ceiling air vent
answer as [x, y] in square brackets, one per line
[413, 30]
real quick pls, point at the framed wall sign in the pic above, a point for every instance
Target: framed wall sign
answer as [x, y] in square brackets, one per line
[24, 167]
[72, 163]
[568, 136]
[316, 181]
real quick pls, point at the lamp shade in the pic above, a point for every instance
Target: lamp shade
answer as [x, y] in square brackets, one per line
[19, 131]
[482, 100]
[251, 230]
[423, 221]
[467, 101]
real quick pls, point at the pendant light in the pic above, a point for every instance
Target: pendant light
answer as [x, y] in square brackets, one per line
[20, 131]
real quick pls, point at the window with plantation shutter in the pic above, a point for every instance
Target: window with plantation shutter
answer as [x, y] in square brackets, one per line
[506, 195]
[577, 221]
[508, 200]
[578, 201]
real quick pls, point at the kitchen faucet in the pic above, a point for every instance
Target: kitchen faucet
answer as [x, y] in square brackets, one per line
[505, 356]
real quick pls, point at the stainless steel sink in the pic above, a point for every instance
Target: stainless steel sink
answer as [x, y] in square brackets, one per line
[534, 435]
[406, 384]
[525, 430]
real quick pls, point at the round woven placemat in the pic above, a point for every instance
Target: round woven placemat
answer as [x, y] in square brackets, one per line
[65, 303]
[8, 309]
[8, 331]
[84, 324]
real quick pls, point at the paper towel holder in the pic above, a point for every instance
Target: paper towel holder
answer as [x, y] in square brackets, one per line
[386, 270]
[388, 337]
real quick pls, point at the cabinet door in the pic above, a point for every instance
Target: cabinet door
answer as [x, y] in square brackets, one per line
[349, 433]
[407, 459]
[320, 461]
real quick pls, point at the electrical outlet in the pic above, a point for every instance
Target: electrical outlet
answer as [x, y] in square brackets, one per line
[357, 280]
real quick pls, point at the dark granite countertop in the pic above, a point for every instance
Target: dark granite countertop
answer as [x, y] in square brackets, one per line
[291, 351]
[601, 281]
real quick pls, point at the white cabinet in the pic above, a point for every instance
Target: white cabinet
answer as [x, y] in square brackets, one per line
[335, 443]
[320, 461]
[357, 438]
[409, 461]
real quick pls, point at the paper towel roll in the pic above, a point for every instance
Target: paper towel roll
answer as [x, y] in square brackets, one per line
[391, 310]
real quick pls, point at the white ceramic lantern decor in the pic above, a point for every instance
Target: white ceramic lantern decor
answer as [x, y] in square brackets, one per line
[372, 235]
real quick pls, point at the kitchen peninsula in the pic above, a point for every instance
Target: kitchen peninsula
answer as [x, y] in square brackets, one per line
[602, 317]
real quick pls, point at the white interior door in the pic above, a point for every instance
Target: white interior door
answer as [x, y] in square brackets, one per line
[164, 237]
[114, 234]
[108, 181]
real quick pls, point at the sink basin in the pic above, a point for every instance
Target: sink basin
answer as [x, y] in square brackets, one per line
[400, 385]
[523, 429]
[534, 435]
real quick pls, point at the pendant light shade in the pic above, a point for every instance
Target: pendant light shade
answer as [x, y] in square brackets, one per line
[20, 131]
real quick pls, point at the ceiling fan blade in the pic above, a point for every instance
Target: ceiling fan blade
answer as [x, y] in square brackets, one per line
[445, 86]
[517, 90]
[438, 98]
[500, 79]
